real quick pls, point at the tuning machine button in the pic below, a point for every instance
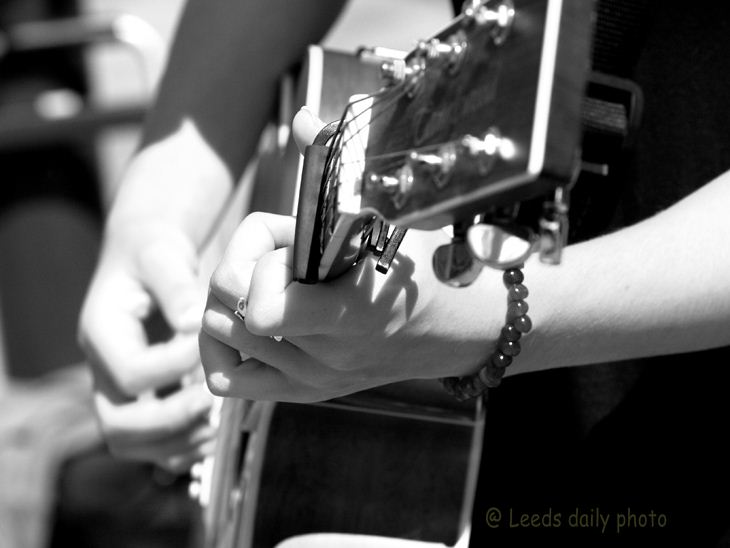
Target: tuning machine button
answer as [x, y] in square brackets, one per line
[452, 50]
[454, 264]
[498, 15]
[406, 72]
[500, 246]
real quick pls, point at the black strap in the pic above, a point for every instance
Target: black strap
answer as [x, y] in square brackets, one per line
[617, 35]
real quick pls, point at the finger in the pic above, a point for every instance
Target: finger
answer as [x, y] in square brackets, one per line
[150, 419]
[257, 235]
[113, 336]
[229, 376]
[278, 306]
[220, 323]
[305, 128]
[169, 269]
[175, 453]
[275, 306]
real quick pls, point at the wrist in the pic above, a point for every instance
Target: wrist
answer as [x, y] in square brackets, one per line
[507, 347]
[177, 183]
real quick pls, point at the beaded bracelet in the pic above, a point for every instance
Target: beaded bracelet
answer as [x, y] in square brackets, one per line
[508, 345]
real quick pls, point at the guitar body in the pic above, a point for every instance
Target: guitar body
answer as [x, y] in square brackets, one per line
[399, 461]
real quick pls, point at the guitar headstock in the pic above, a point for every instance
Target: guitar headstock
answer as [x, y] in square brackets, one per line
[481, 117]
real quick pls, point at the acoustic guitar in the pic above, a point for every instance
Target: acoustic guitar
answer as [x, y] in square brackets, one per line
[481, 122]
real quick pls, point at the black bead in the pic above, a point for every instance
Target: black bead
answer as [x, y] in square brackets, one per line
[500, 360]
[511, 333]
[523, 323]
[509, 348]
[512, 276]
[492, 379]
[517, 292]
[516, 309]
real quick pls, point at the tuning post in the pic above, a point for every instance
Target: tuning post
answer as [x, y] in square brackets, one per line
[438, 164]
[486, 150]
[499, 15]
[393, 72]
[397, 185]
[407, 72]
[554, 227]
[452, 50]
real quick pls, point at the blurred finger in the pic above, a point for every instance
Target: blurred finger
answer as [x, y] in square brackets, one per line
[150, 419]
[175, 453]
[112, 333]
[170, 272]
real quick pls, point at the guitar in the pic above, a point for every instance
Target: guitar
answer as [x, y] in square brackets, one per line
[473, 122]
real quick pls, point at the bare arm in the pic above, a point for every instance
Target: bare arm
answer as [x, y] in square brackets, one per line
[213, 101]
[215, 97]
[658, 287]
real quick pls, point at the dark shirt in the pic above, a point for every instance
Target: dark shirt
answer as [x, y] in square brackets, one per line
[640, 441]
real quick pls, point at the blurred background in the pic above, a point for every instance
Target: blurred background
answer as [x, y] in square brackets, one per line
[76, 77]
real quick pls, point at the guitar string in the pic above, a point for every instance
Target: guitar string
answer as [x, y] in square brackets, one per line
[337, 149]
[338, 145]
[333, 163]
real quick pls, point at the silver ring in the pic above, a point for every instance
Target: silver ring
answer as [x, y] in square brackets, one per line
[240, 311]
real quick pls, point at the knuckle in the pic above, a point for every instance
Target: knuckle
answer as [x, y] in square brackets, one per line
[254, 218]
[256, 323]
[261, 317]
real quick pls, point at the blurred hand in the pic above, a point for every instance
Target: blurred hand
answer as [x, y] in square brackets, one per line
[361, 330]
[145, 267]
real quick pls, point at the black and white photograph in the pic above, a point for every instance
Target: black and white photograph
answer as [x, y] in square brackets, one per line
[364, 274]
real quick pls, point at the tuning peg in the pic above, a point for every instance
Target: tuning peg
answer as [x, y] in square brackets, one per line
[454, 264]
[500, 246]
[498, 15]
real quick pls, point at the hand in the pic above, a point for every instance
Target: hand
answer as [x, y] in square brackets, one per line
[145, 266]
[361, 330]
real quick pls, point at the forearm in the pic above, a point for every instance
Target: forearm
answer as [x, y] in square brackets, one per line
[215, 97]
[658, 287]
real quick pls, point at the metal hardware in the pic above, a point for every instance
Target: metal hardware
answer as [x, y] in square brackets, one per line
[391, 248]
[454, 264]
[554, 227]
[452, 50]
[500, 246]
[398, 185]
[497, 14]
[409, 73]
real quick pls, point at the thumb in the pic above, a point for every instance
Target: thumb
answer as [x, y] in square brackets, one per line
[305, 127]
[170, 274]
